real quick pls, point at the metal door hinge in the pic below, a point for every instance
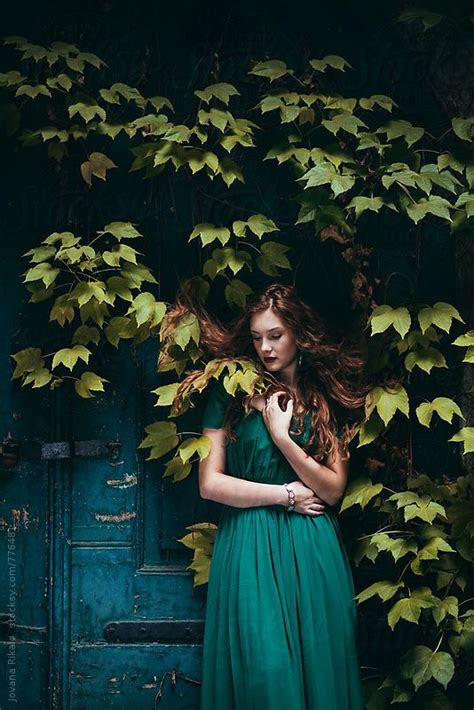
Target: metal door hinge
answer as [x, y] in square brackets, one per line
[12, 450]
[174, 631]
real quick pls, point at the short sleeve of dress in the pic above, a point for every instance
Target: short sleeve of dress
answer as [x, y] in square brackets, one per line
[216, 407]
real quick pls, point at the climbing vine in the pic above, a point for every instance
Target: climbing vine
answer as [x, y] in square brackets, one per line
[349, 160]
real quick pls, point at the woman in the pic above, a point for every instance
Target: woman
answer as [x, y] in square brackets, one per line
[281, 620]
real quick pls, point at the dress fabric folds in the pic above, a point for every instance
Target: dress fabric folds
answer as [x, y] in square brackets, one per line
[281, 621]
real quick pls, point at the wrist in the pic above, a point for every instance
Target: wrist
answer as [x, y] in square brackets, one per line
[282, 495]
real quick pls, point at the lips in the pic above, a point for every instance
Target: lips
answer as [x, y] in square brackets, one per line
[269, 359]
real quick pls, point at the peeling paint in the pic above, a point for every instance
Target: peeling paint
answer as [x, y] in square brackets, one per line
[20, 518]
[126, 482]
[119, 518]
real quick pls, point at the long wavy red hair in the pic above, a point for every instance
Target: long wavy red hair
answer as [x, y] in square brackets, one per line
[330, 378]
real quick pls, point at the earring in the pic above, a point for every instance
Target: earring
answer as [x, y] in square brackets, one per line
[300, 359]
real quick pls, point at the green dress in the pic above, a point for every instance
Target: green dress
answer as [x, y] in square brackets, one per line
[281, 623]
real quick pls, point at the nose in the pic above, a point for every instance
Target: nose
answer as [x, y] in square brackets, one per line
[266, 347]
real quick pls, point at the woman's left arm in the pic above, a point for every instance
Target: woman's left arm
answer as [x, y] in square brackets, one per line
[328, 482]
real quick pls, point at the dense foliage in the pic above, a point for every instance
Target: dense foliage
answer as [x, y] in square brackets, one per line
[350, 160]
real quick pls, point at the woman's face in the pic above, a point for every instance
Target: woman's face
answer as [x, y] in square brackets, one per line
[273, 341]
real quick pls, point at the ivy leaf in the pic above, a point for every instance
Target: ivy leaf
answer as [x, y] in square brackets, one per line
[444, 407]
[89, 382]
[42, 272]
[161, 438]
[425, 359]
[345, 121]
[260, 225]
[421, 664]
[121, 230]
[360, 492]
[272, 70]
[120, 251]
[377, 99]
[176, 468]
[221, 91]
[466, 434]
[467, 339]
[201, 540]
[370, 429]
[201, 446]
[327, 175]
[33, 91]
[97, 165]
[435, 205]
[330, 60]
[408, 609]
[385, 590]
[384, 316]
[209, 233]
[186, 329]
[236, 293]
[86, 334]
[387, 402]
[27, 360]
[87, 111]
[69, 356]
[441, 315]
[62, 310]
[147, 310]
[374, 204]
[464, 128]
[274, 252]
[402, 129]
[38, 378]
[166, 394]
[229, 171]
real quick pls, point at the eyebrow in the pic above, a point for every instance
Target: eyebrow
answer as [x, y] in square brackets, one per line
[277, 327]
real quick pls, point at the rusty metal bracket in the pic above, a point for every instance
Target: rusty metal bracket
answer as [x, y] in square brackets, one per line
[176, 631]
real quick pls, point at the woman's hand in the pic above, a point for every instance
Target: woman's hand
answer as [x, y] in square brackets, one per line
[276, 420]
[306, 500]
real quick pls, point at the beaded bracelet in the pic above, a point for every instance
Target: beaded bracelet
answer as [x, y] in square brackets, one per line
[291, 497]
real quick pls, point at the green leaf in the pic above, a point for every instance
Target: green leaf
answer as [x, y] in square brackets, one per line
[464, 128]
[374, 204]
[385, 590]
[201, 446]
[421, 664]
[186, 329]
[274, 252]
[443, 406]
[209, 233]
[120, 252]
[425, 359]
[166, 394]
[33, 91]
[384, 316]
[377, 99]
[344, 121]
[86, 334]
[176, 468]
[327, 175]
[408, 609]
[402, 129]
[147, 310]
[387, 402]
[272, 70]
[121, 230]
[42, 272]
[440, 315]
[89, 382]
[435, 205]
[221, 91]
[69, 356]
[360, 492]
[27, 360]
[237, 292]
[466, 435]
[161, 438]
[86, 111]
[330, 60]
[62, 310]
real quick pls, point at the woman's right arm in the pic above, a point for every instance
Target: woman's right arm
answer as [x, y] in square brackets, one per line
[216, 485]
